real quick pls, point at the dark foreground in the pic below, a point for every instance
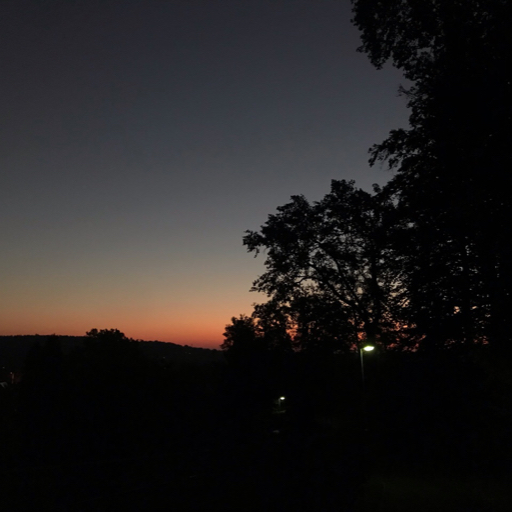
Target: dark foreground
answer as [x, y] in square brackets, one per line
[430, 433]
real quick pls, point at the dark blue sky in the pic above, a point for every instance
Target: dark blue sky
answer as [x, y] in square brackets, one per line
[139, 139]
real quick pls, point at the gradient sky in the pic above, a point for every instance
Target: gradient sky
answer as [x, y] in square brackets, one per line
[140, 139]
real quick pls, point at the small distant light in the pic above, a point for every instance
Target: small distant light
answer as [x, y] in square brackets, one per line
[281, 398]
[368, 348]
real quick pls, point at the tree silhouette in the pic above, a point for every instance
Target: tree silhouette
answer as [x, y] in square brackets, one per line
[274, 326]
[108, 336]
[450, 183]
[241, 338]
[331, 265]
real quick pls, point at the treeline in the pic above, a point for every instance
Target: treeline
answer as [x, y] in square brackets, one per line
[104, 420]
[14, 350]
[105, 427]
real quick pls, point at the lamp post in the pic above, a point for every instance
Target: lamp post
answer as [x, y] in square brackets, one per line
[364, 348]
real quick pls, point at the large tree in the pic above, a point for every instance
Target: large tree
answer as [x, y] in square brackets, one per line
[452, 166]
[331, 265]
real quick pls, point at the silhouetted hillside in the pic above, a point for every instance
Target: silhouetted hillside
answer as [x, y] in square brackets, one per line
[13, 351]
[171, 352]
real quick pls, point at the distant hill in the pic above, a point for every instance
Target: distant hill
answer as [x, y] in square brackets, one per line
[14, 349]
[180, 353]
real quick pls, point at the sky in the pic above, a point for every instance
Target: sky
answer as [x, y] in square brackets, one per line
[139, 139]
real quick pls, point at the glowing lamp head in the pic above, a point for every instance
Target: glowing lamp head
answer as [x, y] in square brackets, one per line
[281, 398]
[368, 348]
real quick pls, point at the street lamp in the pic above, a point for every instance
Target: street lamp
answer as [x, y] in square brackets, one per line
[364, 348]
[279, 402]
[367, 347]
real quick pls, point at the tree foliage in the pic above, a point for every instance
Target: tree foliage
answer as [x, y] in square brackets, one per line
[266, 330]
[330, 266]
[450, 181]
[426, 258]
[240, 333]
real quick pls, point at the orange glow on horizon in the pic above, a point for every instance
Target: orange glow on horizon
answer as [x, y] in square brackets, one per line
[185, 327]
